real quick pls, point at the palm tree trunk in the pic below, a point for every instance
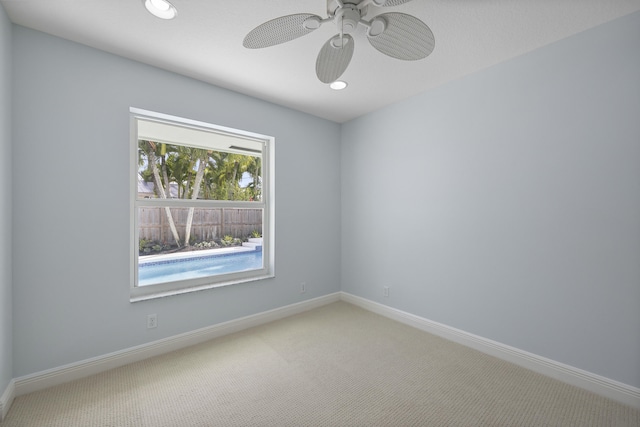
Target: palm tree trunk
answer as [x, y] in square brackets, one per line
[256, 176]
[165, 174]
[233, 180]
[163, 195]
[194, 196]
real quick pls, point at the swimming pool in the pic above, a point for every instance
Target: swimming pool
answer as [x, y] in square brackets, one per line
[169, 270]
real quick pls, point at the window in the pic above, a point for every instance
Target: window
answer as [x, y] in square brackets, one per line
[202, 208]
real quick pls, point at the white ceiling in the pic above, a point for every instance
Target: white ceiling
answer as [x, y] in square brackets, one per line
[205, 42]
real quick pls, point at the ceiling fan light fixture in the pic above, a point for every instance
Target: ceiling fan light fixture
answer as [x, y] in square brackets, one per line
[347, 18]
[339, 42]
[338, 85]
[161, 9]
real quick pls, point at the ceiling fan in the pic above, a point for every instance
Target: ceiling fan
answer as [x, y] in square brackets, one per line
[397, 35]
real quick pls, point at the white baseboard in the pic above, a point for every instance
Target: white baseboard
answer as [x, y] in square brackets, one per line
[602, 386]
[85, 368]
[6, 399]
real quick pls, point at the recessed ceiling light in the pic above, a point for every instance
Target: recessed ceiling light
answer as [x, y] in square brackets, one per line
[338, 85]
[161, 8]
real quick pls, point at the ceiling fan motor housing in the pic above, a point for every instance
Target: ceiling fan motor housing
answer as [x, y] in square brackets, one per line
[347, 18]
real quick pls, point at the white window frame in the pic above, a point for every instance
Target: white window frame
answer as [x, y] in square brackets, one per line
[139, 293]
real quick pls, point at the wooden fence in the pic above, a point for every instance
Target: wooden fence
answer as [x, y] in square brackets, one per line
[208, 223]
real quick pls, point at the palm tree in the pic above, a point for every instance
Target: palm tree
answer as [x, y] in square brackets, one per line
[254, 169]
[218, 175]
[230, 170]
[150, 148]
[201, 160]
[208, 180]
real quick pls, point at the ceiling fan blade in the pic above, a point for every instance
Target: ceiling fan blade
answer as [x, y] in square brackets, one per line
[389, 3]
[333, 58]
[404, 37]
[280, 30]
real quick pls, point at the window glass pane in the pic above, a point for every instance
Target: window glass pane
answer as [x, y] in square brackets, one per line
[220, 241]
[184, 163]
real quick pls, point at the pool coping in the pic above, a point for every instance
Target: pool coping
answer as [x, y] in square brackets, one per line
[147, 259]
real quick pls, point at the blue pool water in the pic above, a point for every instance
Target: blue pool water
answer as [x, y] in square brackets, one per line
[152, 273]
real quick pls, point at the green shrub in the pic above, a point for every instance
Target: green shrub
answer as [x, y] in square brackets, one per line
[206, 245]
[148, 246]
[230, 241]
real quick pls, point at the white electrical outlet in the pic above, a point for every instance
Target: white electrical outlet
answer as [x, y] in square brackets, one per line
[152, 321]
[385, 291]
[303, 287]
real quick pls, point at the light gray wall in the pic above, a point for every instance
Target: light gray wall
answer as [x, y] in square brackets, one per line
[6, 335]
[507, 203]
[71, 202]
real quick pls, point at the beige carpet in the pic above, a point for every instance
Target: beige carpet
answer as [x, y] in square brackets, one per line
[337, 365]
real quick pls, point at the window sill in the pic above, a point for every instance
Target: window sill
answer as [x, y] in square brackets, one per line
[149, 295]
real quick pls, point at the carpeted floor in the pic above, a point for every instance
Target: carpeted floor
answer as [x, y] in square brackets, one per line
[337, 365]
